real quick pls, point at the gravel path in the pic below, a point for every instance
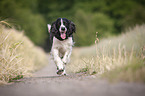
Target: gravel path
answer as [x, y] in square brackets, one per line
[46, 83]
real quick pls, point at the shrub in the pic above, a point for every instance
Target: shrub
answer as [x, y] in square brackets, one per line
[88, 23]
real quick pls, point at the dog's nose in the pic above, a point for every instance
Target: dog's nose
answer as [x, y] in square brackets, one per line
[63, 28]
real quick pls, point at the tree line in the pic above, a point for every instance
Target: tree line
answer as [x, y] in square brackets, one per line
[108, 17]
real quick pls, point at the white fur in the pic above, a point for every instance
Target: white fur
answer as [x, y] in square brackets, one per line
[61, 49]
[49, 27]
[62, 26]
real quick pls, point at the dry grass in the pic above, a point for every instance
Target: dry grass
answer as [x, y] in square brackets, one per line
[113, 55]
[18, 55]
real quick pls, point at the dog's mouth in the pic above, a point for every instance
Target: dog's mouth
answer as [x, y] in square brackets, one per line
[63, 35]
[63, 30]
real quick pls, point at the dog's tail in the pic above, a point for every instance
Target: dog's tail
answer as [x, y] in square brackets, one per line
[49, 27]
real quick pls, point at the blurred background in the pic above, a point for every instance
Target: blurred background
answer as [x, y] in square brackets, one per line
[108, 17]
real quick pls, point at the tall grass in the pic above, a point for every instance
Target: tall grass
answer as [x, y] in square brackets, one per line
[18, 55]
[113, 57]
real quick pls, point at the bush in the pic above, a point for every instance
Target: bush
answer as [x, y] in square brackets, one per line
[24, 15]
[103, 24]
[88, 24]
[33, 24]
[85, 30]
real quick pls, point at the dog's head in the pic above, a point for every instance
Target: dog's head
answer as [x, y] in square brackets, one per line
[62, 28]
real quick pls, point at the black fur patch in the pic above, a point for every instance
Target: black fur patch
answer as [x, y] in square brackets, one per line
[56, 25]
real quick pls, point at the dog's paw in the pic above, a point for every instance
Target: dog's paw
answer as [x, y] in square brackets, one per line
[59, 72]
[64, 73]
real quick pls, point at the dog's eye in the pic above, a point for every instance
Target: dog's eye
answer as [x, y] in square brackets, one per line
[65, 23]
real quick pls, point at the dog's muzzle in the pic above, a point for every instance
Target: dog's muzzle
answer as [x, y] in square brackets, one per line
[62, 28]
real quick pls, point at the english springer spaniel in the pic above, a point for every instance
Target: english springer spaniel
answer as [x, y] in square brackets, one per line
[61, 35]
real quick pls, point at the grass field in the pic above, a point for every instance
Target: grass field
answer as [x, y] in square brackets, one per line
[117, 58]
[18, 55]
[120, 58]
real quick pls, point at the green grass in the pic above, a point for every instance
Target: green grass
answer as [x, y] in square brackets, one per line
[18, 55]
[111, 56]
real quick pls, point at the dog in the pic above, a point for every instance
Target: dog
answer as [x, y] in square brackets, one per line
[61, 35]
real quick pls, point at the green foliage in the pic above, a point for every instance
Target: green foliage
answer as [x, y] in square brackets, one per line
[16, 78]
[108, 17]
[83, 70]
[85, 34]
[103, 24]
[33, 25]
[89, 24]
[25, 14]
[126, 13]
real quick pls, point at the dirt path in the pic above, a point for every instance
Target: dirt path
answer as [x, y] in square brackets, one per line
[46, 83]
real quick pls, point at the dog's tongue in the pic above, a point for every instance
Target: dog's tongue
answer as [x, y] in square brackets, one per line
[63, 35]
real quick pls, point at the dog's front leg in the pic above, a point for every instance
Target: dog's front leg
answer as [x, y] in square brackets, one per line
[57, 59]
[66, 57]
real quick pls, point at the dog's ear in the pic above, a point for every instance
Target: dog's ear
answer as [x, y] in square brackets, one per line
[49, 27]
[53, 28]
[72, 28]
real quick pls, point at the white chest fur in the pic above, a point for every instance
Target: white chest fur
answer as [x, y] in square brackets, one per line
[62, 45]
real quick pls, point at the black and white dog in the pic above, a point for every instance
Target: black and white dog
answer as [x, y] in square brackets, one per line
[61, 35]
